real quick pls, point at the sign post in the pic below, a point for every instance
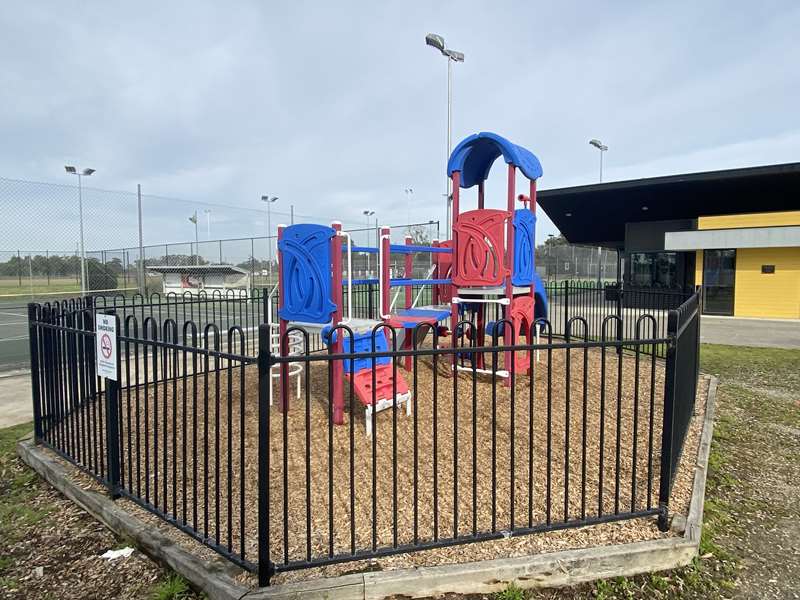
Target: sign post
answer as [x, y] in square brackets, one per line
[107, 363]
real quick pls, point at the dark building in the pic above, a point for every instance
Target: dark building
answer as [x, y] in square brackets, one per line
[736, 233]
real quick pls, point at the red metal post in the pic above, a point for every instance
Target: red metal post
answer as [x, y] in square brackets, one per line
[283, 342]
[507, 331]
[435, 288]
[338, 344]
[456, 177]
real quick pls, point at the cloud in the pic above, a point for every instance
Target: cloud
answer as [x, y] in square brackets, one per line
[337, 107]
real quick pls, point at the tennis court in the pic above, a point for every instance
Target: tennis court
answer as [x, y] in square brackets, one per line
[13, 337]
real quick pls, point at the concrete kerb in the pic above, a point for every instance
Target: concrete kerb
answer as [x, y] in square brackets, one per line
[569, 567]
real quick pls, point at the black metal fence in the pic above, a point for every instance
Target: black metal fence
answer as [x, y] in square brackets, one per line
[680, 388]
[589, 300]
[474, 444]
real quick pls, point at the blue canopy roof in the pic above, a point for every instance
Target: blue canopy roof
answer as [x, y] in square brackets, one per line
[475, 155]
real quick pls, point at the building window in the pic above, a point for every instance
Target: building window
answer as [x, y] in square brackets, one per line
[768, 269]
[655, 270]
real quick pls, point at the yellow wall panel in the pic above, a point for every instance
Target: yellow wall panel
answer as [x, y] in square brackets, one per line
[774, 295]
[698, 267]
[772, 219]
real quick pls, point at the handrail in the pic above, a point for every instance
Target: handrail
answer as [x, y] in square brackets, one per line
[380, 276]
[422, 287]
[349, 277]
[410, 249]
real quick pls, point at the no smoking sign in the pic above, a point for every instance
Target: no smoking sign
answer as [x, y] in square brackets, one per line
[106, 350]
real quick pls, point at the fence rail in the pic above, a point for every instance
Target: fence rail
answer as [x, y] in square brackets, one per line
[212, 429]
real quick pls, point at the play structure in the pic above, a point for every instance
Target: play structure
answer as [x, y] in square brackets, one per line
[490, 261]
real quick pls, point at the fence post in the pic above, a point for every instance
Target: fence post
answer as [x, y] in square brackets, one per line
[665, 478]
[620, 302]
[697, 343]
[566, 303]
[112, 423]
[265, 566]
[33, 341]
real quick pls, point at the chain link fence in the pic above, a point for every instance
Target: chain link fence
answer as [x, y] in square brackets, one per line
[50, 230]
[43, 225]
[566, 262]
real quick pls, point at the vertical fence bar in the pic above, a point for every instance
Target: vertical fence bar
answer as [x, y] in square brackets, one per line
[668, 424]
[265, 567]
[33, 343]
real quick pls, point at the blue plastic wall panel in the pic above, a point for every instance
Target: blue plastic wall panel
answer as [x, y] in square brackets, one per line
[363, 344]
[540, 306]
[524, 246]
[306, 270]
[475, 155]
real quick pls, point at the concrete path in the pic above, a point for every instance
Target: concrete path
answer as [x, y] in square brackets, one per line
[740, 331]
[15, 400]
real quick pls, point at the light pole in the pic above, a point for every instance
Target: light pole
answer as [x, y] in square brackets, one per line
[602, 147]
[367, 213]
[85, 173]
[437, 41]
[269, 200]
[207, 212]
[193, 219]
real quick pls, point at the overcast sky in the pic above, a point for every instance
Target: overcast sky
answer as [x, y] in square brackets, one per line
[339, 106]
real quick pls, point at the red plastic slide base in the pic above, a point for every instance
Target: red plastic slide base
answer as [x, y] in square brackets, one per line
[384, 385]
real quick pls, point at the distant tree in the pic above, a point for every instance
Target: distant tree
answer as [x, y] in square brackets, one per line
[420, 235]
[98, 277]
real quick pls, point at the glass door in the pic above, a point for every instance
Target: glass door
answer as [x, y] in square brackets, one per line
[719, 275]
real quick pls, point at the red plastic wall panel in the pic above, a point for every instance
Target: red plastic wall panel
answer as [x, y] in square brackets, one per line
[479, 254]
[384, 384]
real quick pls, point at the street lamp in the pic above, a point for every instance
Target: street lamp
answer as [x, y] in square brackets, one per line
[207, 211]
[368, 213]
[269, 201]
[602, 147]
[437, 41]
[193, 219]
[85, 173]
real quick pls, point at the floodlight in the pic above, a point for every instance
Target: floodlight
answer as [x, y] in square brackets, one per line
[598, 144]
[436, 41]
[70, 169]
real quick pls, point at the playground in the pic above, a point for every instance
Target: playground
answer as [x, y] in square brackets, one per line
[308, 428]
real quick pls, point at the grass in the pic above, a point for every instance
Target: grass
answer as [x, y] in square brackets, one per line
[28, 508]
[17, 489]
[38, 285]
[512, 592]
[759, 388]
[174, 587]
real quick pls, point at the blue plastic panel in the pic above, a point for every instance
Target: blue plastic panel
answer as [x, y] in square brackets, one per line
[476, 154]
[540, 306]
[306, 271]
[524, 245]
[363, 344]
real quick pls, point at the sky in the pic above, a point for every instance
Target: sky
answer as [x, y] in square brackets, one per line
[337, 107]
